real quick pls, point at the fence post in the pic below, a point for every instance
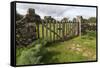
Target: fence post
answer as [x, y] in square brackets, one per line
[42, 29]
[79, 20]
[63, 30]
[46, 29]
[50, 31]
[54, 30]
[38, 29]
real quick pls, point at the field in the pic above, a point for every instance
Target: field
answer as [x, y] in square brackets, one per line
[74, 50]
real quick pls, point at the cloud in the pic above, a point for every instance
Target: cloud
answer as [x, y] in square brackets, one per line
[56, 11]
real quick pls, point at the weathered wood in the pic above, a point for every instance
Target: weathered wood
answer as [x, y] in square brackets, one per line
[79, 19]
[50, 31]
[42, 29]
[60, 30]
[38, 32]
[63, 30]
[57, 23]
[46, 29]
[54, 29]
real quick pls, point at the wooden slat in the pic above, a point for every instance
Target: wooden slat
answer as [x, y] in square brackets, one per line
[46, 29]
[66, 28]
[38, 30]
[54, 30]
[71, 28]
[42, 29]
[50, 31]
[63, 30]
[60, 29]
[57, 23]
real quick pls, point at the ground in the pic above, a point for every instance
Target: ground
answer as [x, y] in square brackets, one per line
[73, 50]
[81, 48]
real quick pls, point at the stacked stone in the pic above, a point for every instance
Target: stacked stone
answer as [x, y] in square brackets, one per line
[26, 28]
[86, 26]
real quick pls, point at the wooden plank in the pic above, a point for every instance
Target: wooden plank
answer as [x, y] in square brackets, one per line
[54, 30]
[60, 29]
[63, 30]
[57, 23]
[71, 28]
[66, 28]
[50, 31]
[46, 29]
[38, 34]
[43, 29]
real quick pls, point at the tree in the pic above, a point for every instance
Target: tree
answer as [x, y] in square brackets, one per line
[85, 20]
[92, 19]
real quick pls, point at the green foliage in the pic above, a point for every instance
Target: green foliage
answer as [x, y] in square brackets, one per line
[18, 16]
[89, 35]
[32, 54]
[85, 21]
[92, 19]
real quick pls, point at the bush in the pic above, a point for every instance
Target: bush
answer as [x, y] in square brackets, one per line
[33, 55]
[89, 35]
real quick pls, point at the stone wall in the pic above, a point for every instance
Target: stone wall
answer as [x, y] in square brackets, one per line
[26, 28]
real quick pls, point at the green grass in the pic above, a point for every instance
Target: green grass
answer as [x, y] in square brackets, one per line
[73, 50]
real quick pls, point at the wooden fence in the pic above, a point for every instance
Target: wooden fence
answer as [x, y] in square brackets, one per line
[53, 30]
[58, 31]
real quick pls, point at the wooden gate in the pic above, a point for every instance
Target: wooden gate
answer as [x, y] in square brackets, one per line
[53, 30]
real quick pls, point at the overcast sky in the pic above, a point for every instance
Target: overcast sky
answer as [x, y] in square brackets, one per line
[56, 11]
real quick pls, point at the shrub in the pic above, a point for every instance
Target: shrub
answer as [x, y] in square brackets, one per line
[89, 35]
[33, 55]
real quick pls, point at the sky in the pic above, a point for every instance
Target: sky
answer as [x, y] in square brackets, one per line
[57, 11]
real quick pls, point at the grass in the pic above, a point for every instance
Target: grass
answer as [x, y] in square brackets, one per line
[73, 50]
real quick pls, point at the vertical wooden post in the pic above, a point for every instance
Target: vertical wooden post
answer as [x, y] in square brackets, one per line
[54, 30]
[46, 29]
[38, 29]
[63, 30]
[57, 25]
[79, 20]
[59, 29]
[50, 31]
[42, 29]
[66, 27]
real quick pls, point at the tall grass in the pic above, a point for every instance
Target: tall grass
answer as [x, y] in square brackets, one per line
[31, 54]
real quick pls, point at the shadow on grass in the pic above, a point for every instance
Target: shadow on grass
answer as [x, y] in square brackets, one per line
[50, 57]
[55, 43]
